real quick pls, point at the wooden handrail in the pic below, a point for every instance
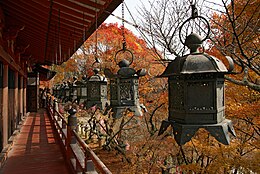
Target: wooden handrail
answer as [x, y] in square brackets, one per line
[62, 127]
[98, 163]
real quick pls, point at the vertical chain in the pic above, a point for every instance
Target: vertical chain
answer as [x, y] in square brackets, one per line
[123, 25]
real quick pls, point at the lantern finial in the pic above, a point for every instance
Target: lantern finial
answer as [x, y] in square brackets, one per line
[96, 71]
[193, 42]
[124, 63]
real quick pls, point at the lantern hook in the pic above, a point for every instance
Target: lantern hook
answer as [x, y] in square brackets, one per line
[194, 11]
[194, 15]
[124, 50]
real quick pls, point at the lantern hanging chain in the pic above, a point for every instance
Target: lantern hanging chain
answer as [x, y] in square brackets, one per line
[123, 25]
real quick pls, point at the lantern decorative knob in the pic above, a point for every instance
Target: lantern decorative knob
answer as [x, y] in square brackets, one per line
[124, 63]
[193, 42]
[96, 71]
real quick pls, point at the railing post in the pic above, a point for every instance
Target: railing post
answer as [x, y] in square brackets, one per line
[56, 109]
[71, 139]
[72, 125]
[47, 101]
[50, 100]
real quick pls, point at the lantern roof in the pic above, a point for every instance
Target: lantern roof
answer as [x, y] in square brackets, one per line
[195, 63]
[97, 78]
[78, 83]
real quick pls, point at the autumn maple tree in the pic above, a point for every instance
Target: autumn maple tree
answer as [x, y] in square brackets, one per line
[235, 33]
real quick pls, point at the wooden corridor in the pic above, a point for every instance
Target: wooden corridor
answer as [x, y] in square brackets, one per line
[36, 149]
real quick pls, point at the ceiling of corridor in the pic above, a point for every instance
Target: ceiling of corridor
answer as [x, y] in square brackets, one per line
[54, 29]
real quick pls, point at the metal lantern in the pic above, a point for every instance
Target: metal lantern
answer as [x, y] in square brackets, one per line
[196, 95]
[124, 88]
[54, 90]
[73, 90]
[81, 90]
[62, 91]
[58, 90]
[97, 90]
[67, 92]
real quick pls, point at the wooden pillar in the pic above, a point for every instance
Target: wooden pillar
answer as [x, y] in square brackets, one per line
[21, 98]
[16, 100]
[24, 96]
[5, 105]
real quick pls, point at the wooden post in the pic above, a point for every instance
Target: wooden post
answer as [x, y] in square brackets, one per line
[5, 105]
[21, 98]
[56, 109]
[16, 108]
[71, 139]
[72, 125]
[24, 96]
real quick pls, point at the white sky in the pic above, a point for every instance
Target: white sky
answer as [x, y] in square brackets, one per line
[133, 6]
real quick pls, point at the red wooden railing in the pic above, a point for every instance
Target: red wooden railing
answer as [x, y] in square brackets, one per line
[78, 155]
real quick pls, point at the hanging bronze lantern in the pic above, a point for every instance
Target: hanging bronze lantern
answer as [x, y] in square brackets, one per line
[54, 90]
[73, 90]
[66, 92]
[124, 87]
[196, 94]
[81, 90]
[124, 94]
[58, 89]
[97, 90]
[62, 91]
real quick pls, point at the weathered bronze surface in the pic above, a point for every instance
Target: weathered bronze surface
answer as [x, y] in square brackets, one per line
[196, 95]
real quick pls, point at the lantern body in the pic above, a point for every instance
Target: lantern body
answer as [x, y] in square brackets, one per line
[67, 93]
[81, 91]
[124, 92]
[59, 91]
[97, 91]
[62, 92]
[73, 92]
[54, 90]
[196, 98]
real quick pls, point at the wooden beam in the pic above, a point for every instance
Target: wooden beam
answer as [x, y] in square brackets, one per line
[9, 60]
